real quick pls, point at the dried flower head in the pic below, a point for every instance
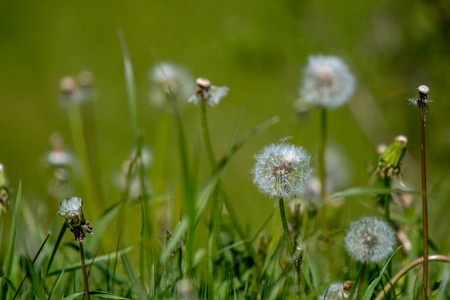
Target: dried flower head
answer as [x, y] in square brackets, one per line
[211, 94]
[71, 209]
[327, 82]
[58, 157]
[282, 170]
[390, 159]
[370, 240]
[76, 93]
[337, 291]
[169, 79]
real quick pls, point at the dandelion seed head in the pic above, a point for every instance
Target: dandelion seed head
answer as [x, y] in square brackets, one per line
[169, 78]
[211, 94]
[327, 82]
[423, 89]
[282, 170]
[370, 240]
[70, 208]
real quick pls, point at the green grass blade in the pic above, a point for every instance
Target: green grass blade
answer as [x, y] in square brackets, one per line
[55, 248]
[369, 292]
[129, 80]
[92, 261]
[34, 260]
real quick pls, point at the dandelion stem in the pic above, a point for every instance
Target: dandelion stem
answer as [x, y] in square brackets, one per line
[361, 280]
[322, 144]
[287, 236]
[406, 269]
[83, 265]
[423, 101]
[207, 137]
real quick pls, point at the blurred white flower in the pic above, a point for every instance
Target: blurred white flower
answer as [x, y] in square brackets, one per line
[70, 208]
[169, 78]
[211, 94]
[370, 240]
[282, 170]
[337, 291]
[327, 82]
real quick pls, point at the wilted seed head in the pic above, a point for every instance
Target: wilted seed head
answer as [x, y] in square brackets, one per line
[327, 82]
[169, 79]
[390, 159]
[211, 94]
[282, 170]
[337, 291]
[71, 209]
[369, 240]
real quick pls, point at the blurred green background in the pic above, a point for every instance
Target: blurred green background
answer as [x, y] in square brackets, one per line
[257, 49]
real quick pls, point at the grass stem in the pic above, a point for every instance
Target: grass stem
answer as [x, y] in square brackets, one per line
[322, 147]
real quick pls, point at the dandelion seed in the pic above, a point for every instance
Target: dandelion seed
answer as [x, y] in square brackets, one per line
[337, 291]
[327, 82]
[211, 94]
[282, 170]
[370, 240]
[71, 209]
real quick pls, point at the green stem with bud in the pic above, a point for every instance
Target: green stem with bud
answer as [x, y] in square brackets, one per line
[287, 236]
[83, 266]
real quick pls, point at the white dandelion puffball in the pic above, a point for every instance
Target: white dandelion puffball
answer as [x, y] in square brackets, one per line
[282, 170]
[169, 78]
[370, 240]
[335, 292]
[70, 207]
[327, 82]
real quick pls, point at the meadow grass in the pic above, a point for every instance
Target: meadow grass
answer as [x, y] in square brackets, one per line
[191, 243]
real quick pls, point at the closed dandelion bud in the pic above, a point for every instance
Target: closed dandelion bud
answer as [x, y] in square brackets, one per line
[327, 82]
[370, 240]
[282, 170]
[71, 209]
[337, 291]
[389, 161]
[211, 94]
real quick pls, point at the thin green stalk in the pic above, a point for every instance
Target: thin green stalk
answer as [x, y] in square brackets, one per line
[287, 236]
[322, 146]
[85, 278]
[423, 104]
[207, 137]
[361, 281]
[406, 269]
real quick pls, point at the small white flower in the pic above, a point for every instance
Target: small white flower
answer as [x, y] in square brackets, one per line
[70, 207]
[327, 82]
[370, 240]
[282, 170]
[336, 291]
[169, 78]
[211, 94]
